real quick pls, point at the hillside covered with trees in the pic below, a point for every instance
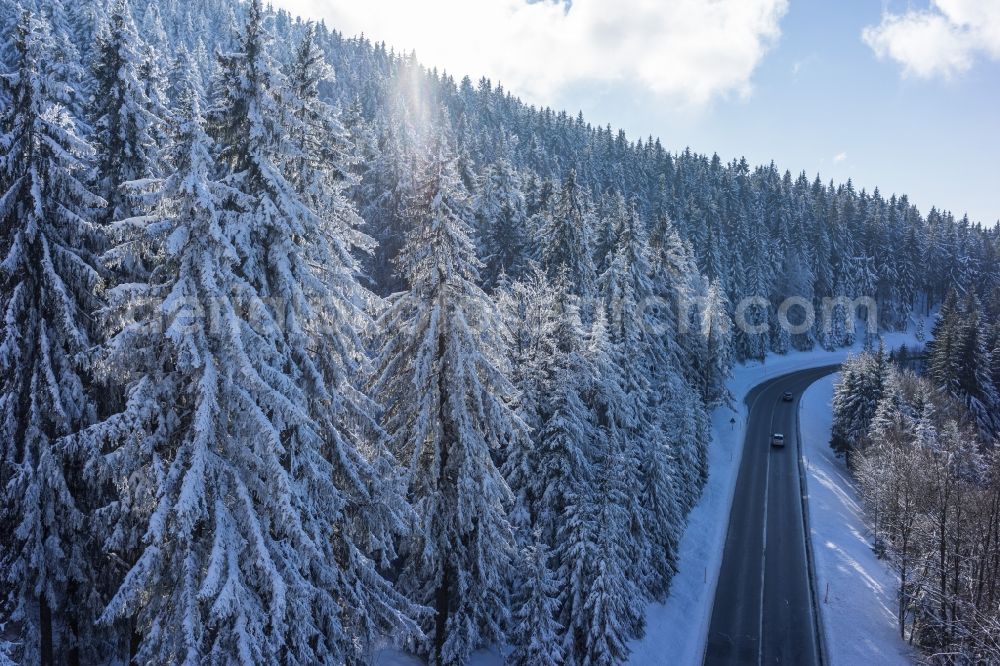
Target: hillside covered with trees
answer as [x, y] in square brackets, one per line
[307, 349]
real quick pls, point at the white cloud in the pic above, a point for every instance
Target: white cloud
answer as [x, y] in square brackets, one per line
[839, 157]
[686, 51]
[943, 40]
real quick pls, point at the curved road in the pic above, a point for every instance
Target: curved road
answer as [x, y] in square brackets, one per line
[763, 611]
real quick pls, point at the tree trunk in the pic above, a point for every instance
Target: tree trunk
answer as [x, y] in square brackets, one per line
[45, 648]
[441, 608]
[442, 596]
[134, 641]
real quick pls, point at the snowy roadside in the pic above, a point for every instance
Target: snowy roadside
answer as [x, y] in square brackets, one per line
[856, 590]
[677, 630]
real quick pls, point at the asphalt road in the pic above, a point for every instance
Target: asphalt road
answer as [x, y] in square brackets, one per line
[763, 611]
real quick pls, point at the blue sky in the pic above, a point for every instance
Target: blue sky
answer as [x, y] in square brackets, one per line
[915, 108]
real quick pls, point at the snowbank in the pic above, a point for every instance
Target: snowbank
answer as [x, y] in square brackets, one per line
[857, 591]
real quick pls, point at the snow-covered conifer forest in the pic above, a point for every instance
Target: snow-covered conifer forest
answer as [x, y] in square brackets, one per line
[308, 349]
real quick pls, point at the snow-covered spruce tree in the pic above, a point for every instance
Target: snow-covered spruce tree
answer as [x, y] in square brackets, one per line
[322, 157]
[610, 213]
[153, 71]
[125, 124]
[975, 383]
[386, 186]
[693, 344]
[295, 238]
[643, 370]
[960, 363]
[564, 450]
[555, 479]
[535, 632]
[678, 287]
[183, 73]
[87, 21]
[758, 282]
[172, 452]
[549, 369]
[601, 605]
[9, 18]
[614, 609]
[563, 442]
[255, 486]
[717, 331]
[856, 399]
[995, 355]
[47, 288]
[501, 218]
[565, 238]
[318, 159]
[66, 58]
[319, 167]
[153, 32]
[942, 357]
[891, 430]
[627, 288]
[441, 378]
[526, 307]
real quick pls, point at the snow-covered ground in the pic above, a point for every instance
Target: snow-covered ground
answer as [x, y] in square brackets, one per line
[857, 591]
[676, 631]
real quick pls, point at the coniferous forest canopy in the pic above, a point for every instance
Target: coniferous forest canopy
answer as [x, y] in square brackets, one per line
[308, 349]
